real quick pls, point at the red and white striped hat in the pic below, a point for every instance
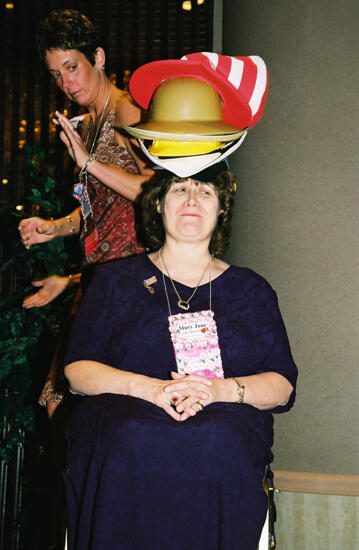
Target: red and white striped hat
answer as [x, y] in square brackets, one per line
[241, 82]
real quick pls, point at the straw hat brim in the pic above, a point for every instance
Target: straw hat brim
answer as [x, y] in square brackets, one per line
[185, 131]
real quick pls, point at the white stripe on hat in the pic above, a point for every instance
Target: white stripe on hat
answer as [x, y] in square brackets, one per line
[240, 74]
[260, 85]
[213, 58]
[236, 72]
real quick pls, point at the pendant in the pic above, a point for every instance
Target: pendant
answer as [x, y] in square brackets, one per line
[78, 190]
[183, 305]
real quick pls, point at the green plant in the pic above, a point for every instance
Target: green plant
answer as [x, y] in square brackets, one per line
[21, 330]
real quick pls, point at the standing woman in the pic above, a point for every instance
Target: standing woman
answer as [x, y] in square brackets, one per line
[108, 165]
[109, 171]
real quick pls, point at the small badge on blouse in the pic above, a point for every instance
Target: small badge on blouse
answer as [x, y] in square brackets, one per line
[148, 282]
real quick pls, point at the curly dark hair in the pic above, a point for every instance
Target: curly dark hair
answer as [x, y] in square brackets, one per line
[68, 30]
[148, 221]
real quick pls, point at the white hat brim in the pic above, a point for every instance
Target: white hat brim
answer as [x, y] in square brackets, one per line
[141, 133]
[185, 167]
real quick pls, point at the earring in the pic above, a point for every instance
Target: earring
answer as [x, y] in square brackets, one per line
[103, 67]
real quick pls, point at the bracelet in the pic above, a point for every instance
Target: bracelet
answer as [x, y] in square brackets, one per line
[71, 222]
[74, 279]
[241, 390]
[85, 166]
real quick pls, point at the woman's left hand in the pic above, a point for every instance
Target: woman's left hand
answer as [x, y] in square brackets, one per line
[186, 403]
[50, 288]
[72, 140]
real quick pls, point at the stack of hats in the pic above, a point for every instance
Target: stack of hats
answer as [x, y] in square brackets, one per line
[200, 108]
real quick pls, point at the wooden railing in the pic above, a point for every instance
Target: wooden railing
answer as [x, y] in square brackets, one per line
[324, 484]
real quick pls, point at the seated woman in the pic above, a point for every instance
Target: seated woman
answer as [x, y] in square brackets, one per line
[160, 456]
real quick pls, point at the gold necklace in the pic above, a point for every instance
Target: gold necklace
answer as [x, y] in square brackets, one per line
[183, 304]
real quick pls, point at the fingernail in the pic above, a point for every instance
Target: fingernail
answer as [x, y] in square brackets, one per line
[179, 408]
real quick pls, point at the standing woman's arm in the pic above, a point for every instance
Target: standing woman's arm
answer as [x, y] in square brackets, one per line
[126, 184]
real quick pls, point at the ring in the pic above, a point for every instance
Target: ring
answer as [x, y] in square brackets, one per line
[172, 403]
[201, 405]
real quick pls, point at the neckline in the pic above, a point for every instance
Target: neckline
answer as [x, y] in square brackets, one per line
[182, 284]
[105, 119]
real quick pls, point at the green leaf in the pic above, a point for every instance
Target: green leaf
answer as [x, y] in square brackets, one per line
[21, 330]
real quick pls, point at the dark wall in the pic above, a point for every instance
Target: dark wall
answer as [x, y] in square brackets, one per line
[134, 32]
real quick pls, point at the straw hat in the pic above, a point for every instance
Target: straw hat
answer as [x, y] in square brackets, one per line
[186, 109]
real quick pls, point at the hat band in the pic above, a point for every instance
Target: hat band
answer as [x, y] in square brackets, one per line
[168, 148]
[189, 166]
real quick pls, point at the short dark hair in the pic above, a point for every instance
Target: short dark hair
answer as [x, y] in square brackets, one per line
[68, 30]
[149, 225]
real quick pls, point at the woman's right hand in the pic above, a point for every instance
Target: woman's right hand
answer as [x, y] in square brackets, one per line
[72, 140]
[195, 389]
[37, 230]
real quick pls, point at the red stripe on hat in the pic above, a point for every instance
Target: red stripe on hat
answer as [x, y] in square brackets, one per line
[258, 98]
[248, 79]
[199, 56]
[224, 65]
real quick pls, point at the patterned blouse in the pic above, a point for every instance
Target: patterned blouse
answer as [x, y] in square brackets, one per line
[113, 214]
[114, 219]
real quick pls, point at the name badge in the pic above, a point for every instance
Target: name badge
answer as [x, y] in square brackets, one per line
[80, 193]
[195, 342]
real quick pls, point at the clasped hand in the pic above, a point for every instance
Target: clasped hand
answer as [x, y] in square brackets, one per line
[186, 395]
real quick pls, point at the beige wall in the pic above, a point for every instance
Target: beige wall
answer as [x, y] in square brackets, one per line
[317, 522]
[297, 212]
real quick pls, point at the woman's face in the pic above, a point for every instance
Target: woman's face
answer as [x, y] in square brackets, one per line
[190, 211]
[74, 75]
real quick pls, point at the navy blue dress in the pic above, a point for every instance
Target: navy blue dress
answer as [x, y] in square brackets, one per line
[135, 478]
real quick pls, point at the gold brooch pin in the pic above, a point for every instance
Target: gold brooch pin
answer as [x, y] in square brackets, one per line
[148, 282]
